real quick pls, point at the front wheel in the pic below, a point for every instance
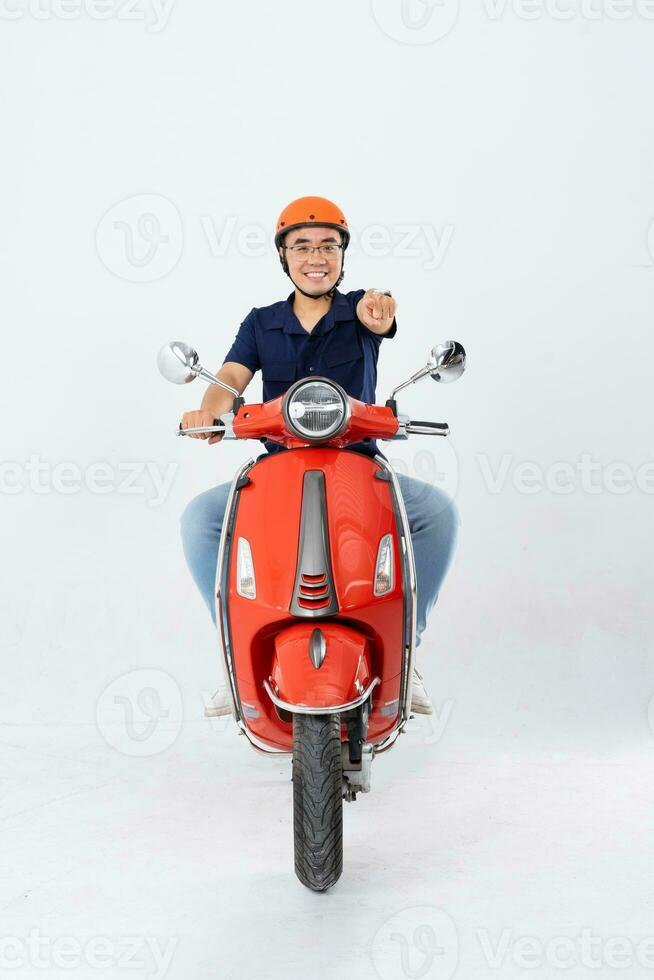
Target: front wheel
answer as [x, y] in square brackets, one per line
[317, 800]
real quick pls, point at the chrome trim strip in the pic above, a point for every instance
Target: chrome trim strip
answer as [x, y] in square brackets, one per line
[302, 709]
[390, 739]
[259, 744]
[227, 661]
[408, 565]
[313, 554]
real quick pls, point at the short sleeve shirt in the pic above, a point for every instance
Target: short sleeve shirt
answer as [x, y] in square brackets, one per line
[272, 339]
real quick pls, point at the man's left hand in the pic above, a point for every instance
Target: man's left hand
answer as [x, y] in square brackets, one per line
[376, 311]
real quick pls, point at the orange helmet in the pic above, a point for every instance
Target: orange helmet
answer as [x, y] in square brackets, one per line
[311, 211]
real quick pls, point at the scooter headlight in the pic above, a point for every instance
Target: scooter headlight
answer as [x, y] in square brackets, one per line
[316, 409]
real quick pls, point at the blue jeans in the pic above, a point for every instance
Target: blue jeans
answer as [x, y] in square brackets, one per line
[433, 520]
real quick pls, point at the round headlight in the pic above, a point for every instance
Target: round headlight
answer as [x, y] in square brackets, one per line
[316, 409]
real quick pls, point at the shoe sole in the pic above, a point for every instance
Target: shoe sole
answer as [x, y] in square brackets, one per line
[422, 709]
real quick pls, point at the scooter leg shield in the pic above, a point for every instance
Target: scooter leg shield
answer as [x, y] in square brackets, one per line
[320, 665]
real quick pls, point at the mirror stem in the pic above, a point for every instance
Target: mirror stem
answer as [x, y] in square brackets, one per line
[201, 372]
[412, 380]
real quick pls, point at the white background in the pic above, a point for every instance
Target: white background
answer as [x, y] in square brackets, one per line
[519, 141]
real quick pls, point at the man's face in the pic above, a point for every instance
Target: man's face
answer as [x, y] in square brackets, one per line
[316, 272]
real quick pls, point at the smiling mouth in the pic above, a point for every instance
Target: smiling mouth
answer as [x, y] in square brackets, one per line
[317, 276]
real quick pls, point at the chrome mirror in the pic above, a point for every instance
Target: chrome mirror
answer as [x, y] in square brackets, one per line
[179, 363]
[447, 362]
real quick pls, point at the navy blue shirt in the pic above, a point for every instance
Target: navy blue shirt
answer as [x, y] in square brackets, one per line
[272, 339]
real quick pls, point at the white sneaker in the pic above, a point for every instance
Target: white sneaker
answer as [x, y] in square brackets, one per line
[218, 704]
[420, 700]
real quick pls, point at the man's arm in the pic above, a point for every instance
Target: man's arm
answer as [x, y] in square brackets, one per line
[217, 401]
[376, 311]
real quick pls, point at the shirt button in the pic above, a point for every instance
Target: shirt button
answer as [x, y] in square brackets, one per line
[310, 370]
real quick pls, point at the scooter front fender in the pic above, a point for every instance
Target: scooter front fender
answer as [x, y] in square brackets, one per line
[320, 668]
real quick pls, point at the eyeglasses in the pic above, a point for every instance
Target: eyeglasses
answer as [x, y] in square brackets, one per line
[328, 251]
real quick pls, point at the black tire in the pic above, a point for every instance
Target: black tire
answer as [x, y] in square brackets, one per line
[317, 800]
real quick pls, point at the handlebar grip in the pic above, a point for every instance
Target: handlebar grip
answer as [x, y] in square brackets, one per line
[215, 422]
[416, 427]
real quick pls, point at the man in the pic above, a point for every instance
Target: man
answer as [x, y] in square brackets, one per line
[320, 331]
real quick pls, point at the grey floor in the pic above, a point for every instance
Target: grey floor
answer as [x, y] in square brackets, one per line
[499, 840]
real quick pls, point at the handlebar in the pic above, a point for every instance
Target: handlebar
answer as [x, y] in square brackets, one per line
[219, 425]
[427, 428]
[406, 427]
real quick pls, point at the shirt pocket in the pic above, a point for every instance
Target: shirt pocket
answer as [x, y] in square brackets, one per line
[279, 371]
[343, 353]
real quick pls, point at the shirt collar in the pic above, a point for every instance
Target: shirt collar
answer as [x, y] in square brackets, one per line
[286, 320]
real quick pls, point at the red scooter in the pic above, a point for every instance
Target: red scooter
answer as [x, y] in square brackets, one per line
[316, 591]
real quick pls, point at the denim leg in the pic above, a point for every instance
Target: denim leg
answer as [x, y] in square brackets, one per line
[201, 524]
[434, 522]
